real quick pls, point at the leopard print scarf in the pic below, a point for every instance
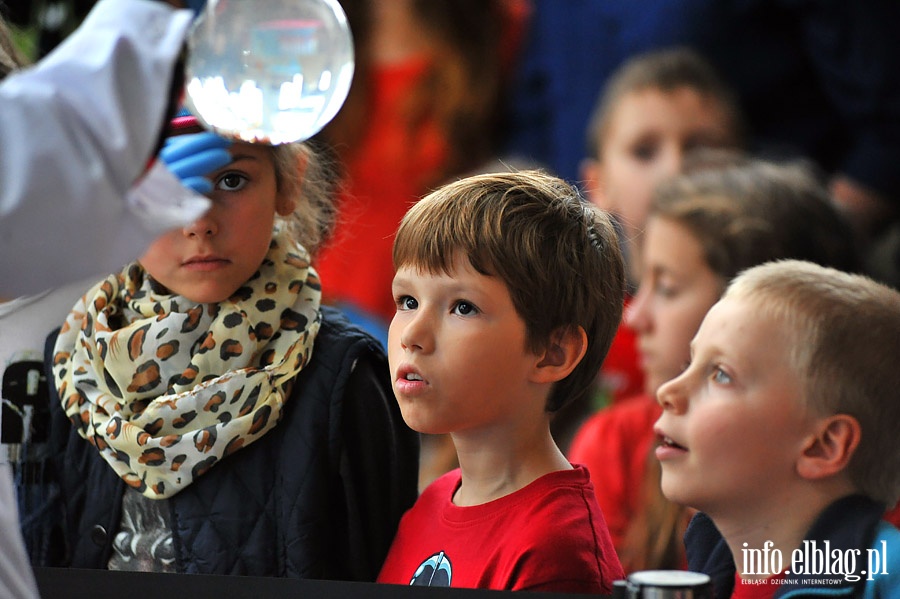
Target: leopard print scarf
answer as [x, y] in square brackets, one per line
[164, 388]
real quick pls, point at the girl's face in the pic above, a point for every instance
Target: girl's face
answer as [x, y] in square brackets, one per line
[677, 289]
[650, 132]
[210, 259]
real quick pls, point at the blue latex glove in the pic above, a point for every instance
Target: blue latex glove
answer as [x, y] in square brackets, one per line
[192, 156]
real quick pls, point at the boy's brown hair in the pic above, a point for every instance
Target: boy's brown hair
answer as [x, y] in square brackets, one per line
[557, 255]
[665, 70]
[845, 332]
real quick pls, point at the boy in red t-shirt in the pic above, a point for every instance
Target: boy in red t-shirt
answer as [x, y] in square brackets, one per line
[508, 290]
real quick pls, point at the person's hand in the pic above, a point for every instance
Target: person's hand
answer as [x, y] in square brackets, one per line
[193, 156]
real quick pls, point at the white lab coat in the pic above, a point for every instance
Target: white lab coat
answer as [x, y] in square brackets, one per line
[76, 131]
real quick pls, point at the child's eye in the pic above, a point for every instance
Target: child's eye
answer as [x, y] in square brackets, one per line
[464, 308]
[665, 290]
[407, 302]
[644, 152]
[720, 376]
[231, 182]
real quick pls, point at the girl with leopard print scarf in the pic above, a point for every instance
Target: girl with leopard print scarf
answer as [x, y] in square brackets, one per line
[191, 354]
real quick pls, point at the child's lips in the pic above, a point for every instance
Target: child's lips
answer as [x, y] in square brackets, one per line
[206, 262]
[409, 380]
[667, 448]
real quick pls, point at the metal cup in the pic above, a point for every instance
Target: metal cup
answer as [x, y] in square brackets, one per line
[664, 584]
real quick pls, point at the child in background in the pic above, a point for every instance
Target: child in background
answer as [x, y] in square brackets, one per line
[727, 213]
[508, 291]
[783, 432]
[211, 416]
[654, 109]
[423, 108]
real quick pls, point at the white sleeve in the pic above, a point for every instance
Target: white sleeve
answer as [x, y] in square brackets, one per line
[161, 202]
[16, 577]
[76, 130]
[24, 327]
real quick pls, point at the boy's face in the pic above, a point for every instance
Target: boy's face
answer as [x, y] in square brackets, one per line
[457, 351]
[650, 132]
[677, 289]
[208, 260]
[733, 424]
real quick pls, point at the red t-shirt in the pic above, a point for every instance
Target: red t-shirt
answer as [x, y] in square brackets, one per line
[893, 515]
[621, 374]
[547, 536]
[614, 444]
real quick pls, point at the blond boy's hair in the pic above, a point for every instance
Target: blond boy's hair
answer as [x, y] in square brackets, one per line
[666, 70]
[846, 339]
[556, 253]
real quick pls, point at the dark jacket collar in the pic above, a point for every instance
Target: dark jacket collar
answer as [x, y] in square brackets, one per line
[848, 523]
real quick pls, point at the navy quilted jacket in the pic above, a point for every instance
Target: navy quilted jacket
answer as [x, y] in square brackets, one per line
[319, 496]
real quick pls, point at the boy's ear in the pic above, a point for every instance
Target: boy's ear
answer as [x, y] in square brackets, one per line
[594, 182]
[563, 353]
[829, 448]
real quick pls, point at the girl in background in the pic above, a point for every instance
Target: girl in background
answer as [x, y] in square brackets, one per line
[727, 213]
[424, 107]
[655, 109]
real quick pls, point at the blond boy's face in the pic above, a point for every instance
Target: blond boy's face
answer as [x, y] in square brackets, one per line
[733, 424]
[677, 289]
[210, 259]
[457, 351]
[650, 132]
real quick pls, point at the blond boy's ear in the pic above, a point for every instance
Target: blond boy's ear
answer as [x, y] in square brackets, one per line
[563, 353]
[594, 181]
[829, 448]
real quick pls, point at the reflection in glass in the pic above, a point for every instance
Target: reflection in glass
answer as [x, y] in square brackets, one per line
[269, 71]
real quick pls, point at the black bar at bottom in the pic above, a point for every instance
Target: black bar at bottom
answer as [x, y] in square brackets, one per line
[74, 583]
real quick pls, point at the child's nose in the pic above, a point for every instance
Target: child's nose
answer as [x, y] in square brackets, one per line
[416, 334]
[637, 315]
[672, 395]
[671, 161]
[202, 227]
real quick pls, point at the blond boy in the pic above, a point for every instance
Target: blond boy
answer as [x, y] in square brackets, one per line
[782, 431]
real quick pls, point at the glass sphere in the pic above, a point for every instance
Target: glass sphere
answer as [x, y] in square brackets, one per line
[268, 71]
